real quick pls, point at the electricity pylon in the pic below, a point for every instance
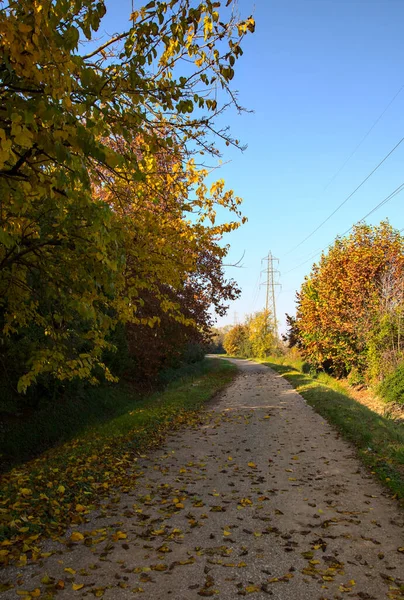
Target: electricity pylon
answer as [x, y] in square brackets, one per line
[270, 304]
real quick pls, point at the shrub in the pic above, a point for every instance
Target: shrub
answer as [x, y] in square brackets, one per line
[261, 336]
[392, 388]
[355, 377]
[193, 353]
[350, 307]
[236, 341]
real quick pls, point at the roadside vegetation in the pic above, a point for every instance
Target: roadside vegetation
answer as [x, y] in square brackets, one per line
[111, 248]
[44, 496]
[29, 432]
[350, 309]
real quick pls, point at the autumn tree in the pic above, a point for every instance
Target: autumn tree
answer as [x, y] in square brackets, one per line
[69, 116]
[255, 338]
[236, 341]
[261, 334]
[217, 335]
[385, 344]
[174, 339]
[339, 304]
[291, 337]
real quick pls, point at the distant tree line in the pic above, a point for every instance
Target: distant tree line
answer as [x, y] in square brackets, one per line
[256, 337]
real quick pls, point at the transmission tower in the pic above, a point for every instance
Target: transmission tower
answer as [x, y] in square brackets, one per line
[270, 304]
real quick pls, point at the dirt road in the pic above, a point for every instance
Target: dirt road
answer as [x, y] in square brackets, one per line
[262, 499]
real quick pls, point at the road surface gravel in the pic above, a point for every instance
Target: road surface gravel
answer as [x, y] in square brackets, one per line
[262, 499]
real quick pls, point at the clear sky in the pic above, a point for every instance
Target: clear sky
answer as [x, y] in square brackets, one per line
[317, 74]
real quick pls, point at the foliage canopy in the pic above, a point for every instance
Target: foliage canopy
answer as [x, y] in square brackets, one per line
[349, 309]
[98, 172]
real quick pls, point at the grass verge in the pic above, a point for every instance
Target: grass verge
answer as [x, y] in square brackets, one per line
[379, 440]
[28, 434]
[44, 496]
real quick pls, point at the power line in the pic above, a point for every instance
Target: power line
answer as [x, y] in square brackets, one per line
[363, 139]
[347, 198]
[397, 191]
[382, 203]
[304, 262]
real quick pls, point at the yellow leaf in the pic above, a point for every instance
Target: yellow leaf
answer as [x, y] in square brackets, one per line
[225, 532]
[24, 28]
[70, 570]
[23, 558]
[77, 586]
[159, 567]
[252, 465]
[76, 536]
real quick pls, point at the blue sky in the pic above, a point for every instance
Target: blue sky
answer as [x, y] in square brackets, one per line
[317, 74]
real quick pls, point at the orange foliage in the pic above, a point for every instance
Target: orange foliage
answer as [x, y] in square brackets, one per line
[339, 301]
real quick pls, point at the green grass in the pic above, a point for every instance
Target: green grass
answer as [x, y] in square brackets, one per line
[392, 388]
[27, 436]
[379, 440]
[40, 497]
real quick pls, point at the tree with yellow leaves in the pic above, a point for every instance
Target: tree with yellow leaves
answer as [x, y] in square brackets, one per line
[68, 120]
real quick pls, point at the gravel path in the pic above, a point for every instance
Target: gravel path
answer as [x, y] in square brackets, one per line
[262, 499]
